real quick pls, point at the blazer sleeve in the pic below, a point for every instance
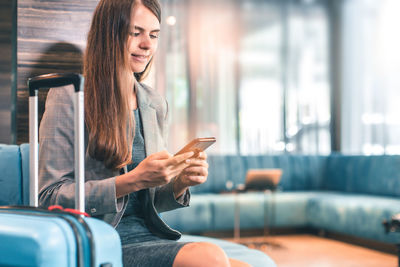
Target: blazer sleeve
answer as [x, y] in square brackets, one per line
[164, 199]
[56, 160]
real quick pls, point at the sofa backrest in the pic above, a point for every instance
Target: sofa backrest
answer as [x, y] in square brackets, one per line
[24, 149]
[376, 175]
[362, 174]
[10, 175]
[300, 172]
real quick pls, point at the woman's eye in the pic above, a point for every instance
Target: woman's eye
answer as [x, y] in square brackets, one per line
[134, 34]
[153, 36]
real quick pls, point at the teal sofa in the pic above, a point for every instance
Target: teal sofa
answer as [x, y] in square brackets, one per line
[349, 195]
[14, 190]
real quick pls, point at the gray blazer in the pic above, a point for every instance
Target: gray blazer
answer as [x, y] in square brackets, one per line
[56, 163]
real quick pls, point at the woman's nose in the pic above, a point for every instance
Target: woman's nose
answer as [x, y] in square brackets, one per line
[145, 43]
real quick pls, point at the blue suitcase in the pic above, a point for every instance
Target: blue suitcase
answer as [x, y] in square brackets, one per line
[30, 236]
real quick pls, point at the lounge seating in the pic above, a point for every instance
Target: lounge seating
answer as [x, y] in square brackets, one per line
[14, 190]
[349, 195]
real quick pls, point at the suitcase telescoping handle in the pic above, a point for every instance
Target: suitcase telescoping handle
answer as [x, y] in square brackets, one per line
[47, 81]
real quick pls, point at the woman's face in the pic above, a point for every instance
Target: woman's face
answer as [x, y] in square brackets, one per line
[143, 37]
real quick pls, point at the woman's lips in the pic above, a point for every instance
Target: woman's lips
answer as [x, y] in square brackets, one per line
[139, 58]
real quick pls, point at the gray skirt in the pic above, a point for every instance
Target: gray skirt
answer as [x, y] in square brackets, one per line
[140, 247]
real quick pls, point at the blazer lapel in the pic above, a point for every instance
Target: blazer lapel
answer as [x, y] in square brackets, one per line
[149, 121]
[152, 140]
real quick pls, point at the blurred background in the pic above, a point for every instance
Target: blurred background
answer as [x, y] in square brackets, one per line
[262, 76]
[306, 76]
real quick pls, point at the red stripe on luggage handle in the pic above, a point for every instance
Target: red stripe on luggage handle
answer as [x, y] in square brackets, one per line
[73, 211]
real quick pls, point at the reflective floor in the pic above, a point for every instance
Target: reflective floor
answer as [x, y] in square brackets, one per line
[312, 251]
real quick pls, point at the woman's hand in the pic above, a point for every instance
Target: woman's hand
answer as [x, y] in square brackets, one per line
[155, 170]
[196, 173]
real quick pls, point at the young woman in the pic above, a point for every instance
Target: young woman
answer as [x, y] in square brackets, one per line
[130, 178]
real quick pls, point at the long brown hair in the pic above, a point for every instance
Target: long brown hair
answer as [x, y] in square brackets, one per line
[107, 113]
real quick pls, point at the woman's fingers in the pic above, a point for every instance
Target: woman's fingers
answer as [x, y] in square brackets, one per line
[197, 170]
[194, 175]
[198, 162]
[186, 158]
[178, 159]
[162, 155]
[202, 155]
[193, 179]
[193, 166]
[159, 168]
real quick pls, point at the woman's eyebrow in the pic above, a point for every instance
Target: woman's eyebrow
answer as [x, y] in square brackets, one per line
[142, 29]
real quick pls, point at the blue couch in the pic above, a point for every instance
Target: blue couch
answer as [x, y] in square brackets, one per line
[348, 195]
[14, 190]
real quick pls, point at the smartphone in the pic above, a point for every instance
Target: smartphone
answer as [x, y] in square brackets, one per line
[197, 145]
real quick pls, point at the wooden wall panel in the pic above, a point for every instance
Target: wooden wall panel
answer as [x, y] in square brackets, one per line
[51, 38]
[7, 98]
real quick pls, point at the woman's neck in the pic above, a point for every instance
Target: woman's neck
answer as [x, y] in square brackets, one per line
[133, 101]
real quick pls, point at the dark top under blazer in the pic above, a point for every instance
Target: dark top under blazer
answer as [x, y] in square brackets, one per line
[56, 163]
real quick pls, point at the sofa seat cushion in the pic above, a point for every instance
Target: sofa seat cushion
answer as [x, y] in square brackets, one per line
[261, 209]
[249, 206]
[10, 176]
[196, 218]
[352, 214]
[216, 212]
[288, 209]
[253, 257]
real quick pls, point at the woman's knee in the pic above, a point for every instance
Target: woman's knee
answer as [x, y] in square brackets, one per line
[214, 254]
[201, 254]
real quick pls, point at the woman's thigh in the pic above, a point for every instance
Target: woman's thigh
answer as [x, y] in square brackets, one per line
[205, 254]
[151, 254]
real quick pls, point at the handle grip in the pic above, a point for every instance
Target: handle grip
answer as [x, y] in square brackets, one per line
[54, 80]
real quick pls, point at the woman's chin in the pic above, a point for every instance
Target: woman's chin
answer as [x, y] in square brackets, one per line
[137, 70]
[137, 66]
